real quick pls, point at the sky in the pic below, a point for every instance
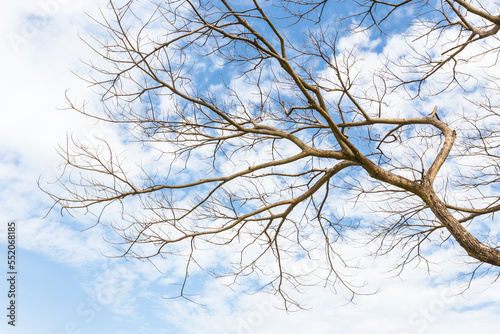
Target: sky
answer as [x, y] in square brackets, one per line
[69, 283]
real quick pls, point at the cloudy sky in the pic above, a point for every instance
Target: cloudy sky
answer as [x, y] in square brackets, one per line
[67, 284]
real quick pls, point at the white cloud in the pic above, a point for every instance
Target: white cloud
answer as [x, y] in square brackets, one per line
[35, 73]
[409, 304]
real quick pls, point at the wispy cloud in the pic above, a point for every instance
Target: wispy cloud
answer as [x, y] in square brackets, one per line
[40, 47]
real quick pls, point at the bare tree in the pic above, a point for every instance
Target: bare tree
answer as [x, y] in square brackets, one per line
[264, 119]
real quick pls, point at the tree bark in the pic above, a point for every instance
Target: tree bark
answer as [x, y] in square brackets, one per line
[472, 246]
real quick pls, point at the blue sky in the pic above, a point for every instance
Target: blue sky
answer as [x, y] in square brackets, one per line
[67, 285]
